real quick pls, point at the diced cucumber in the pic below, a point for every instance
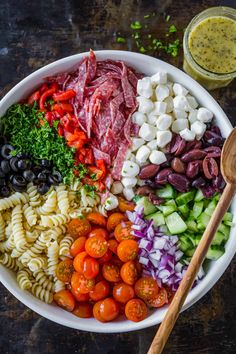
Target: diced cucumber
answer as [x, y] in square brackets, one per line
[228, 217]
[184, 209]
[192, 226]
[185, 198]
[185, 243]
[190, 252]
[175, 223]
[219, 238]
[148, 207]
[197, 239]
[136, 198]
[157, 218]
[164, 229]
[229, 223]
[166, 192]
[224, 229]
[214, 253]
[168, 209]
[202, 221]
[197, 209]
[190, 238]
[199, 196]
[211, 207]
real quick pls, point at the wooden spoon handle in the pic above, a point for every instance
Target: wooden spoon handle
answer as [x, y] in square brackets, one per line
[175, 307]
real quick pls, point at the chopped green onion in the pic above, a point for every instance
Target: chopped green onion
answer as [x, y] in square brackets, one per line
[146, 16]
[172, 29]
[167, 18]
[142, 50]
[136, 25]
[120, 40]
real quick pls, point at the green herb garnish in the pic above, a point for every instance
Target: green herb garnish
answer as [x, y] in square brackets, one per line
[136, 25]
[172, 29]
[120, 40]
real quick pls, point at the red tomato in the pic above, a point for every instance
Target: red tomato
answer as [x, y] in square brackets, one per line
[160, 300]
[65, 270]
[96, 246]
[136, 310]
[111, 272]
[129, 273]
[123, 231]
[106, 258]
[80, 284]
[79, 262]
[78, 227]
[90, 268]
[123, 292]
[97, 219]
[78, 296]
[78, 246]
[99, 232]
[97, 311]
[170, 294]
[146, 288]
[64, 299]
[113, 245]
[83, 310]
[100, 291]
[125, 205]
[127, 250]
[106, 310]
[115, 219]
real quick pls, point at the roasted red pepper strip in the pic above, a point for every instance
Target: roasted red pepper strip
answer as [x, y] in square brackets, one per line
[34, 97]
[63, 108]
[99, 186]
[95, 173]
[102, 166]
[50, 117]
[60, 130]
[64, 96]
[85, 156]
[47, 94]
[43, 88]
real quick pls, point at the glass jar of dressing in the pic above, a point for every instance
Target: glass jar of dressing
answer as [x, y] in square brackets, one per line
[210, 47]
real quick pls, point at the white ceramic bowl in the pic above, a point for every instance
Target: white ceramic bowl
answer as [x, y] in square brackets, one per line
[148, 66]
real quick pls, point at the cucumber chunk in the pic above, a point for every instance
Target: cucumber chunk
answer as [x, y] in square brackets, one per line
[175, 223]
[197, 210]
[219, 238]
[185, 198]
[202, 221]
[166, 192]
[199, 196]
[228, 217]
[148, 207]
[169, 207]
[192, 226]
[184, 209]
[158, 218]
[214, 253]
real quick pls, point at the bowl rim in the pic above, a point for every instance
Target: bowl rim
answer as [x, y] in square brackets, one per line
[219, 267]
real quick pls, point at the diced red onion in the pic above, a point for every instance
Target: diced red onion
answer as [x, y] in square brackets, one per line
[143, 260]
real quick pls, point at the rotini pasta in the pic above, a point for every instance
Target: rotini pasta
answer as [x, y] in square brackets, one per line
[65, 245]
[9, 262]
[50, 204]
[53, 255]
[13, 200]
[2, 228]
[37, 263]
[34, 196]
[41, 293]
[17, 229]
[54, 220]
[23, 279]
[42, 279]
[30, 215]
[63, 199]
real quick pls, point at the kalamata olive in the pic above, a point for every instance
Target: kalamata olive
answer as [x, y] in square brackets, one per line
[46, 171]
[43, 188]
[162, 176]
[6, 151]
[211, 138]
[144, 190]
[178, 165]
[46, 163]
[29, 175]
[55, 178]
[199, 182]
[154, 199]
[208, 191]
[22, 164]
[213, 151]
[14, 164]
[180, 148]
[5, 191]
[42, 177]
[178, 181]
[2, 174]
[193, 168]
[19, 181]
[216, 130]
[218, 182]
[210, 167]
[2, 182]
[195, 154]
[149, 171]
[5, 166]
[195, 144]
[23, 155]
[3, 140]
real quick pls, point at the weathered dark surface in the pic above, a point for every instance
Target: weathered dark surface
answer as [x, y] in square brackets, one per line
[34, 33]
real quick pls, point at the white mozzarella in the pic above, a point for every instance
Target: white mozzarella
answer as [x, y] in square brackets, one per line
[169, 103]
[157, 157]
[152, 144]
[139, 118]
[111, 202]
[192, 101]
[132, 157]
[159, 78]
[192, 117]
[152, 119]
[179, 90]
[199, 129]
[179, 124]
[142, 154]
[181, 102]
[159, 108]
[144, 87]
[117, 187]
[179, 113]
[136, 143]
[141, 182]
[187, 134]
[129, 182]
[145, 105]
[147, 132]
[204, 115]
[163, 138]
[130, 169]
[162, 92]
[164, 122]
[170, 87]
[128, 193]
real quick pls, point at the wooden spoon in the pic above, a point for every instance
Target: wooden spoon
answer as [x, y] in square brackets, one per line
[228, 170]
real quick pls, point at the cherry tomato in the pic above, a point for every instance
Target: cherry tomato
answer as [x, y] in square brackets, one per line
[127, 250]
[64, 299]
[97, 219]
[99, 232]
[80, 284]
[115, 219]
[100, 291]
[78, 262]
[106, 258]
[78, 227]
[113, 244]
[111, 272]
[83, 310]
[78, 296]
[146, 288]
[129, 273]
[116, 260]
[106, 310]
[96, 246]
[78, 246]
[170, 294]
[125, 205]
[160, 300]
[136, 310]
[123, 292]
[97, 311]
[123, 231]
[90, 268]
[65, 270]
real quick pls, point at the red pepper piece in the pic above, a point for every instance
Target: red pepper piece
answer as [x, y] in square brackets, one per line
[93, 170]
[63, 108]
[50, 117]
[43, 88]
[102, 166]
[64, 96]
[60, 130]
[99, 186]
[47, 94]
[34, 97]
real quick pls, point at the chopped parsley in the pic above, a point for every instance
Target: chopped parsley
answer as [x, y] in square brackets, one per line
[136, 25]
[172, 29]
[120, 40]
[90, 190]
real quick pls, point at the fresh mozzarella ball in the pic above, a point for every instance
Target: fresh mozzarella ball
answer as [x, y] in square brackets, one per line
[199, 129]
[129, 182]
[142, 154]
[152, 118]
[128, 154]
[164, 122]
[179, 124]
[144, 87]
[159, 78]
[111, 202]
[204, 115]
[157, 157]
[159, 108]
[170, 104]
[147, 132]
[139, 118]
[187, 134]
[145, 105]
[130, 169]
[128, 193]
[162, 92]
[192, 101]
[163, 138]
[132, 158]
[179, 114]
[117, 187]
[192, 117]
[136, 143]
[179, 90]
[152, 144]
[170, 87]
[141, 182]
[181, 102]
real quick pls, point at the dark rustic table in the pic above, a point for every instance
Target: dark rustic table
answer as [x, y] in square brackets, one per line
[35, 33]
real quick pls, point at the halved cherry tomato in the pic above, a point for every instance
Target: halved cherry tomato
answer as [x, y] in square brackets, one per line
[127, 250]
[97, 311]
[84, 310]
[100, 291]
[97, 219]
[125, 205]
[90, 268]
[123, 231]
[78, 227]
[78, 246]
[123, 292]
[99, 231]
[78, 262]
[116, 260]
[129, 272]
[65, 270]
[106, 257]
[136, 310]
[160, 300]
[81, 284]
[78, 296]
[112, 245]
[146, 288]
[96, 246]
[111, 272]
[115, 219]
[106, 310]
[170, 294]
[64, 299]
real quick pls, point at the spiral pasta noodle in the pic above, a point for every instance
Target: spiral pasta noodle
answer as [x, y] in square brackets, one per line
[2, 228]
[34, 196]
[9, 262]
[53, 255]
[42, 279]
[23, 279]
[65, 245]
[41, 293]
[63, 199]
[50, 204]
[37, 263]
[17, 229]
[15, 199]
[59, 285]
[54, 220]
[36, 249]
